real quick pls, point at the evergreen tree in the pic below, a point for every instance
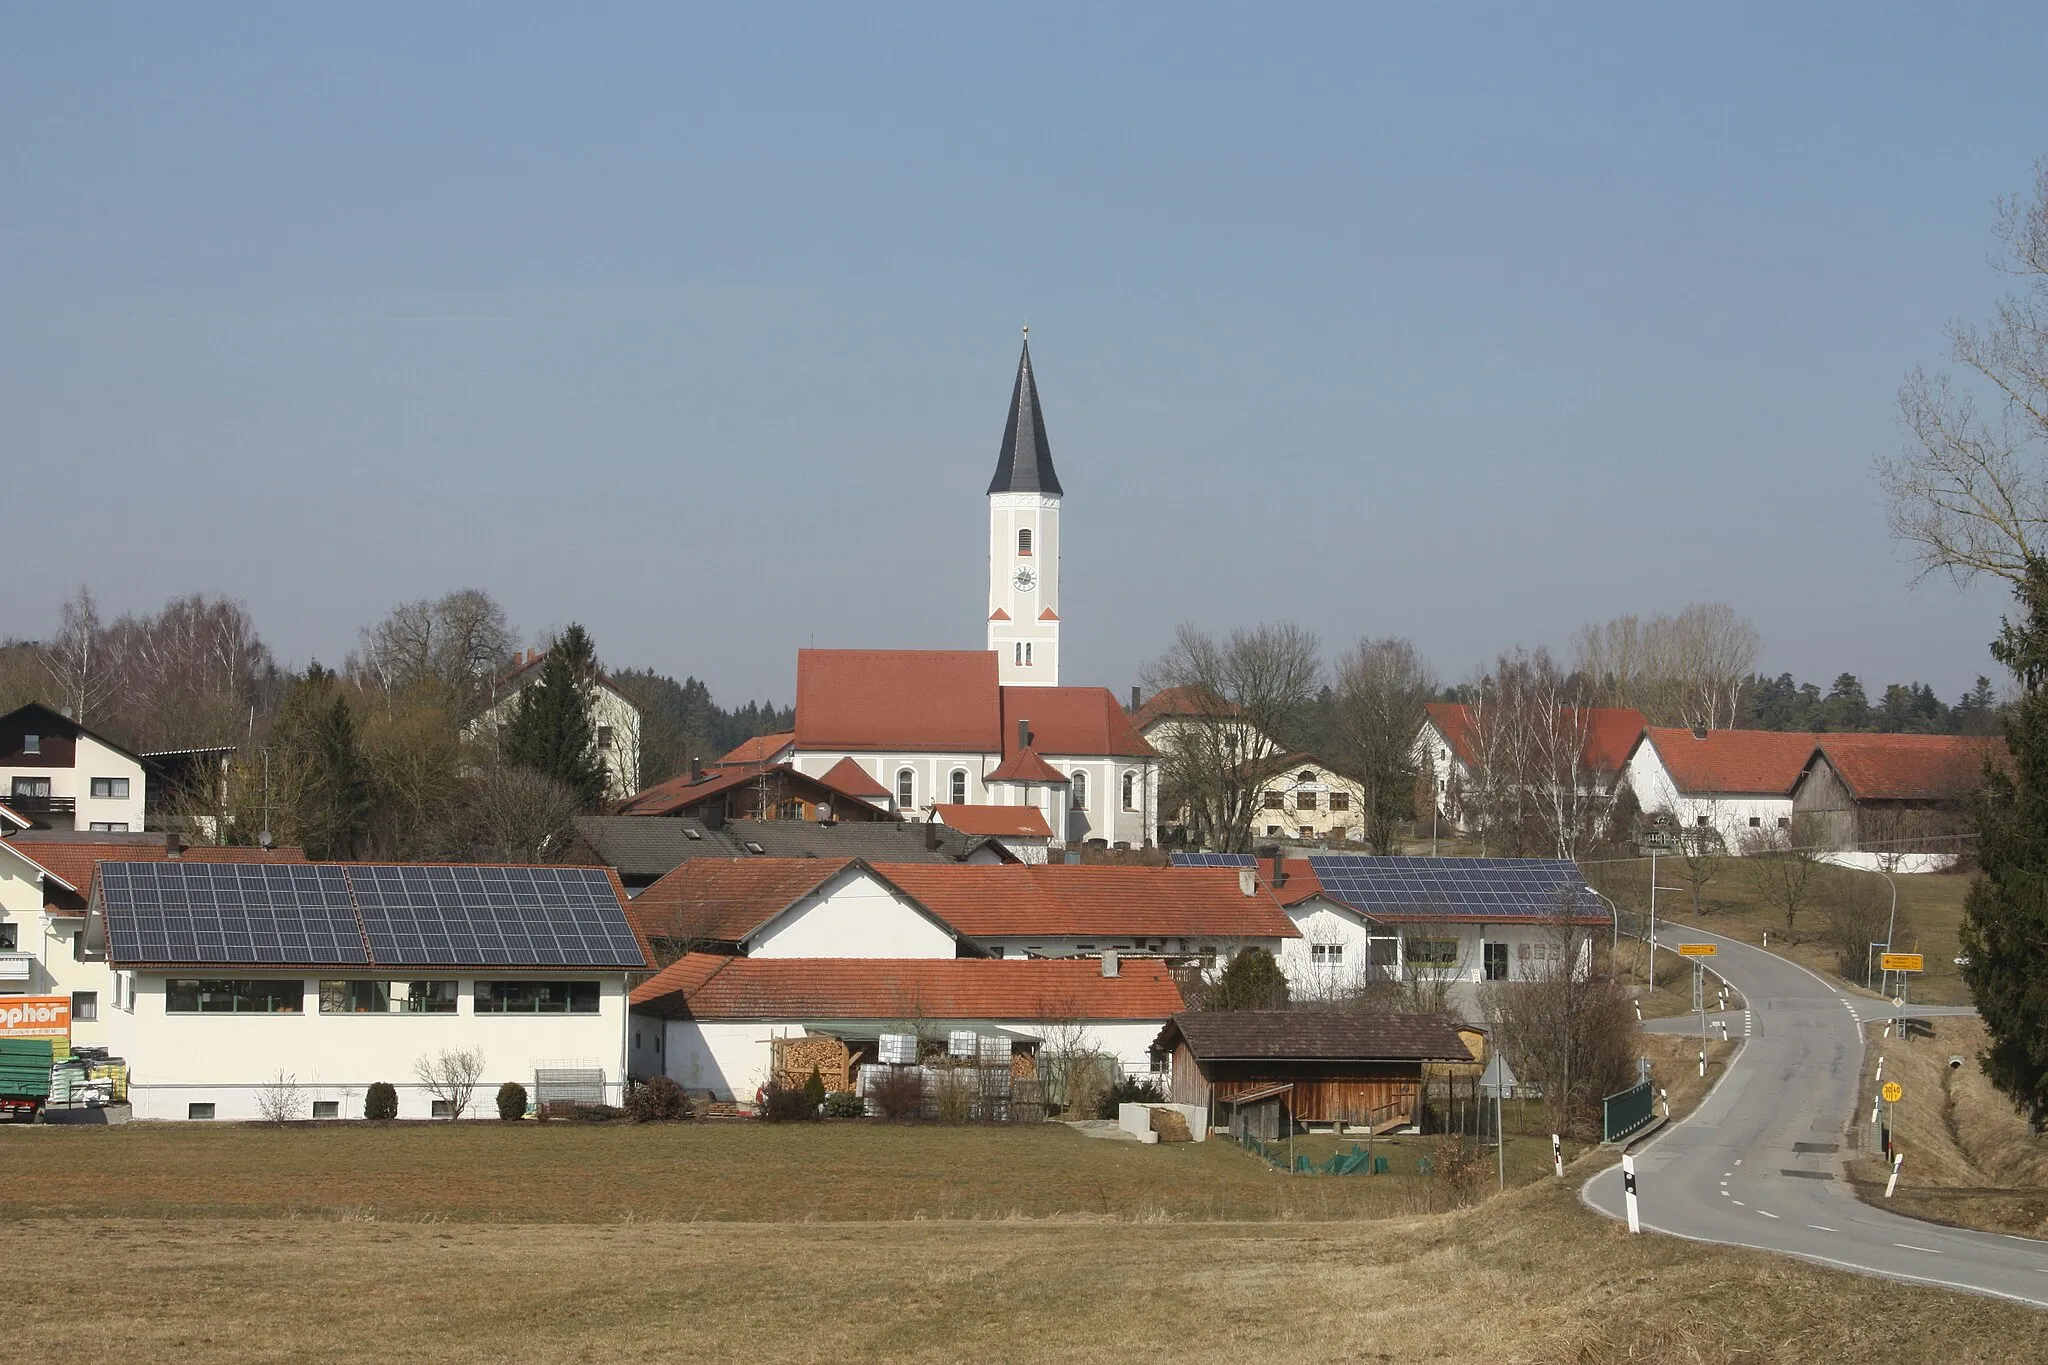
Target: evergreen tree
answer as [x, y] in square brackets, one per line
[2005, 919]
[1251, 981]
[1846, 708]
[334, 798]
[551, 730]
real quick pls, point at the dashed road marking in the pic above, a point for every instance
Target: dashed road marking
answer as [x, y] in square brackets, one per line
[1931, 1251]
[1767, 1213]
[1818, 1228]
[1740, 1205]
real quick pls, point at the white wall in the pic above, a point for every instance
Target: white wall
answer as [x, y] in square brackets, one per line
[90, 759]
[178, 1059]
[1734, 815]
[1007, 514]
[1325, 922]
[931, 783]
[45, 940]
[607, 707]
[1076, 945]
[853, 915]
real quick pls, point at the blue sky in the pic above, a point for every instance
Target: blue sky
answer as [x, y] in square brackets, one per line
[698, 325]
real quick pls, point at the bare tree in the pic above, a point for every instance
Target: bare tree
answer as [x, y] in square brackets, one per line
[1568, 1034]
[1689, 669]
[1245, 697]
[279, 1100]
[1538, 785]
[453, 647]
[1382, 686]
[81, 660]
[517, 815]
[1785, 866]
[451, 1076]
[1970, 492]
[195, 673]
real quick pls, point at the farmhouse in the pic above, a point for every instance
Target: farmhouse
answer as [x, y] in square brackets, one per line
[1721, 786]
[711, 1022]
[1268, 1070]
[1891, 802]
[232, 982]
[1462, 751]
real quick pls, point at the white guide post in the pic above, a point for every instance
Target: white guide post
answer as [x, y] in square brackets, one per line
[1628, 1189]
[1557, 1155]
[1893, 1183]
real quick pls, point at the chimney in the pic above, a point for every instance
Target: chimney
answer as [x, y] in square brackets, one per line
[1109, 965]
[1248, 880]
[696, 769]
[173, 845]
[931, 836]
[1699, 732]
[1023, 733]
[1279, 878]
[1134, 697]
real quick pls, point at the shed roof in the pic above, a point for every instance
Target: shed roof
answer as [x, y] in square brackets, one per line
[1092, 900]
[1315, 1036]
[1745, 762]
[1911, 767]
[708, 987]
[1026, 822]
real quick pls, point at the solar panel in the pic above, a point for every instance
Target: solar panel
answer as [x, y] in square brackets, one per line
[232, 914]
[1214, 860]
[484, 916]
[1489, 888]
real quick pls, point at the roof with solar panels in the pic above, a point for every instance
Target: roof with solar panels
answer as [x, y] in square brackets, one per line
[1432, 890]
[368, 915]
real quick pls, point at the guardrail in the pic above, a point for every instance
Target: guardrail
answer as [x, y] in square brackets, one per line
[1628, 1112]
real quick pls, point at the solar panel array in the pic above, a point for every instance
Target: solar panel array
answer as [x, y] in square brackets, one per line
[252, 913]
[363, 914]
[1214, 860]
[1484, 888]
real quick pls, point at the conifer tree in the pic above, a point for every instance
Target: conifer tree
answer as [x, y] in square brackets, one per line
[551, 730]
[315, 739]
[2005, 919]
[1251, 981]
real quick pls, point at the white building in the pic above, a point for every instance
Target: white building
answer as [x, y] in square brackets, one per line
[1024, 544]
[234, 981]
[1725, 786]
[1459, 751]
[60, 775]
[614, 720]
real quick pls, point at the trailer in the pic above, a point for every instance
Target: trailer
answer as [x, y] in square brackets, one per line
[26, 1065]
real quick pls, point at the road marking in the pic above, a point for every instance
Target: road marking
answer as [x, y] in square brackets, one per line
[1910, 1247]
[1740, 1205]
[1738, 1161]
[1818, 1228]
[1767, 1213]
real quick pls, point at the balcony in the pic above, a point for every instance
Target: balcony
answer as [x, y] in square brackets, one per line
[40, 805]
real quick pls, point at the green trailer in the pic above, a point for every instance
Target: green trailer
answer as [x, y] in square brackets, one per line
[25, 1065]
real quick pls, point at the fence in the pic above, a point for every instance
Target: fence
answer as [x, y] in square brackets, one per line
[1627, 1112]
[1457, 1104]
[1357, 1161]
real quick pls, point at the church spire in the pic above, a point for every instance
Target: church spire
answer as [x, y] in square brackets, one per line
[1024, 465]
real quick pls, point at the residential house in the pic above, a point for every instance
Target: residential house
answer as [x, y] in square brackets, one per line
[1725, 788]
[59, 775]
[615, 719]
[1893, 803]
[1307, 801]
[765, 792]
[1460, 754]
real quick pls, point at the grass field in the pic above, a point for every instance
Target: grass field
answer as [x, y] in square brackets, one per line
[1970, 1159]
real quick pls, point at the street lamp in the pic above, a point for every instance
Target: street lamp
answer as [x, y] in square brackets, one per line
[1615, 911]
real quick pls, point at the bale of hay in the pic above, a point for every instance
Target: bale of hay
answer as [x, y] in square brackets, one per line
[1171, 1125]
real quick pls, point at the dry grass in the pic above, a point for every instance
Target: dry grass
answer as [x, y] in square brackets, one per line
[1673, 993]
[1970, 1159]
[1930, 914]
[1532, 1277]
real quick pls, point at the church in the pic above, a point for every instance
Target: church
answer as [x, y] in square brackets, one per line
[924, 733]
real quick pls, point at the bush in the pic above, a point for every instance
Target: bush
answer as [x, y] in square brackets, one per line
[380, 1101]
[511, 1101]
[584, 1112]
[1130, 1090]
[844, 1104]
[786, 1104]
[898, 1093]
[659, 1100]
[814, 1089]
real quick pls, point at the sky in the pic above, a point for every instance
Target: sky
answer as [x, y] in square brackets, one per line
[697, 325]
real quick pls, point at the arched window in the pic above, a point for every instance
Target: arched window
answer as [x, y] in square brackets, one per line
[959, 786]
[1024, 541]
[906, 789]
[1080, 791]
[1307, 775]
[1130, 791]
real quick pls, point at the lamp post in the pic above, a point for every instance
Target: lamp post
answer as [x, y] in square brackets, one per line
[1615, 911]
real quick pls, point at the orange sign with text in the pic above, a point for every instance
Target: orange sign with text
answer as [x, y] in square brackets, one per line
[35, 1016]
[1902, 962]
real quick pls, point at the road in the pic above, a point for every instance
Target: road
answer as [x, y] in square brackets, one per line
[1759, 1163]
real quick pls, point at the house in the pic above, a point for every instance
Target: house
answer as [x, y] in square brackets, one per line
[59, 775]
[1460, 753]
[710, 1022]
[642, 851]
[1894, 803]
[1271, 1071]
[1719, 787]
[1308, 801]
[765, 791]
[44, 885]
[615, 719]
[791, 907]
[235, 984]
[1198, 735]
[1019, 831]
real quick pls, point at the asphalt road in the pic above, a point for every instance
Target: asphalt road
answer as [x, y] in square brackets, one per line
[1759, 1163]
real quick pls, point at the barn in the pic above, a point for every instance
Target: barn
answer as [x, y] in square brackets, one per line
[1271, 1069]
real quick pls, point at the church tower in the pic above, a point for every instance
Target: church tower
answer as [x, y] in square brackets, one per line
[1024, 544]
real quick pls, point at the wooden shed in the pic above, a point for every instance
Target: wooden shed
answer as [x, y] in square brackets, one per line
[1321, 1068]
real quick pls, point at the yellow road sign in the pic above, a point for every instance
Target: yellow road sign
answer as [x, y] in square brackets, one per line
[1695, 950]
[1892, 1091]
[1902, 962]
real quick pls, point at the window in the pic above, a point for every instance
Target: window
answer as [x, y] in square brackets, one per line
[1433, 952]
[33, 744]
[198, 1111]
[604, 737]
[1326, 954]
[1383, 952]
[1308, 832]
[1755, 821]
[442, 1109]
[110, 788]
[1702, 822]
[1305, 775]
[1784, 822]
[35, 788]
[657, 1044]
[110, 826]
[208, 996]
[1340, 800]
[1130, 791]
[326, 1109]
[906, 789]
[536, 997]
[1276, 801]
[1080, 790]
[1273, 829]
[1027, 654]
[636, 1040]
[958, 785]
[78, 945]
[1305, 801]
[1024, 541]
[85, 1006]
[9, 938]
[387, 997]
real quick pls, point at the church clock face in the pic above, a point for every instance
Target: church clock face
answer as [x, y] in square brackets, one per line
[1024, 578]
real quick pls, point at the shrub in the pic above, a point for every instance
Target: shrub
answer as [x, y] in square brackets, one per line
[659, 1100]
[1130, 1090]
[786, 1104]
[380, 1101]
[898, 1093]
[844, 1104]
[814, 1089]
[511, 1101]
[585, 1112]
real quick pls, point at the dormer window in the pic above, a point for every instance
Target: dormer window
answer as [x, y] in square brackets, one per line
[1024, 541]
[31, 744]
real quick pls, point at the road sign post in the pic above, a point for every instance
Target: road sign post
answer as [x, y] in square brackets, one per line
[1699, 953]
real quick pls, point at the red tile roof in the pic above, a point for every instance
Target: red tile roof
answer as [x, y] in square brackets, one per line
[1182, 702]
[999, 615]
[1048, 615]
[760, 749]
[916, 700]
[666, 798]
[1026, 766]
[705, 987]
[1074, 899]
[73, 863]
[850, 779]
[1751, 762]
[995, 821]
[724, 901]
[1911, 767]
[1071, 721]
[1611, 732]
